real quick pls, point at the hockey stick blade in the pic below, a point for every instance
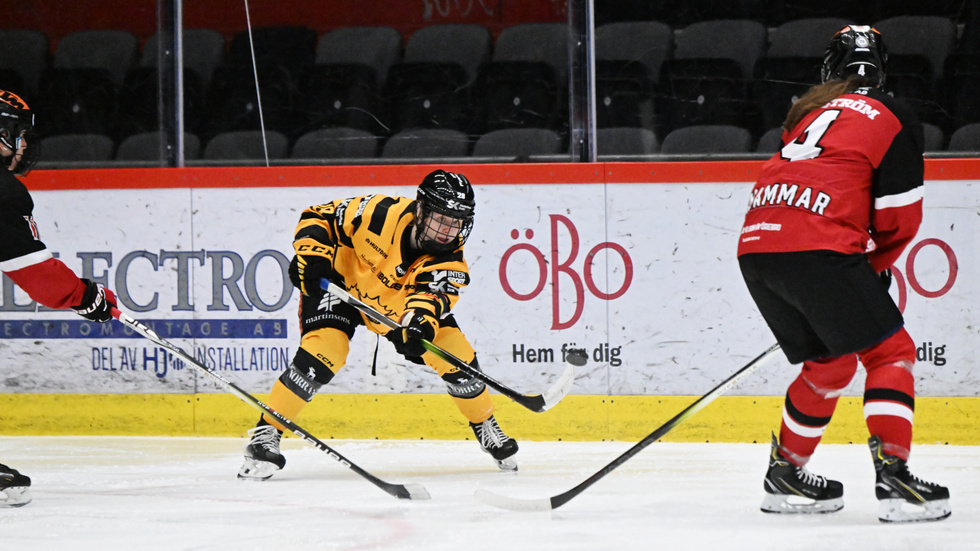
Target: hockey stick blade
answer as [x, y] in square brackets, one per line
[535, 402]
[513, 503]
[401, 491]
[554, 502]
[560, 389]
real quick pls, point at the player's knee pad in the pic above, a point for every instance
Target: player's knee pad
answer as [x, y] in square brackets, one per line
[328, 350]
[305, 376]
[463, 385]
[898, 349]
[829, 376]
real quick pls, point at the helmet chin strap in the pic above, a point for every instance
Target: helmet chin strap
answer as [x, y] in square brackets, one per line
[413, 241]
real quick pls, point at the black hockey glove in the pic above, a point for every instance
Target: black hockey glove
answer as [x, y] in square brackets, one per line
[305, 273]
[97, 303]
[886, 278]
[416, 326]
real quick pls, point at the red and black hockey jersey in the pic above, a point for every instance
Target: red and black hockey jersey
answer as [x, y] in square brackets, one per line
[848, 179]
[24, 257]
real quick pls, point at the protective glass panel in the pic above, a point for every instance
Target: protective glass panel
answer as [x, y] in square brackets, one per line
[379, 81]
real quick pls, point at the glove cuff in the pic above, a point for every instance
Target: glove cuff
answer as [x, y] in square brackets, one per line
[92, 299]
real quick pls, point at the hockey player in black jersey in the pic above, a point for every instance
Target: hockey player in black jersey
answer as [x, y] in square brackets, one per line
[405, 258]
[25, 259]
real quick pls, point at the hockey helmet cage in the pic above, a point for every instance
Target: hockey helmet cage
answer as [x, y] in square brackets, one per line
[855, 50]
[16, 119]
[450, 196]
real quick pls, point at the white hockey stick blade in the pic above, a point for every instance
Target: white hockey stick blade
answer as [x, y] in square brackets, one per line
[558, 391]
[512, 503]
[417, 491]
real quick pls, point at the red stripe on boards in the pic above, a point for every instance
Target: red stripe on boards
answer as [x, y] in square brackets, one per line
[395, 175]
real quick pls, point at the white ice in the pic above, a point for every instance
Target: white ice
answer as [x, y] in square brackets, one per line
[174, 494]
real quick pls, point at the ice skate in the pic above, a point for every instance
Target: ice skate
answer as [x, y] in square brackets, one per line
[901, 496]
[493, 441]
[262, 456]
[15, 488]
[794, 490]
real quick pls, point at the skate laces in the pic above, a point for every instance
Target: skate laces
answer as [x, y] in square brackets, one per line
[265, 436]
[809, 478]
[910, 478]
[901, 471]
[491, 434]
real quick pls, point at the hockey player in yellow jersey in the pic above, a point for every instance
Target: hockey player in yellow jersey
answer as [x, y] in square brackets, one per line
[405, 258]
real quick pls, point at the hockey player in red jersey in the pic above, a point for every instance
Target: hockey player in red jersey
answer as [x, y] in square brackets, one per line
[404, 257]
[831, 212]
[25, 259]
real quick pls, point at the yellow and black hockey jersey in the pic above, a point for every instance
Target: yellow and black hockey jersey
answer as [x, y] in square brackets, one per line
[367, 239]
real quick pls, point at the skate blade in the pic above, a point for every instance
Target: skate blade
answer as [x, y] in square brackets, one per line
[509, 464]
[15, 496]
[795, 505]
[901, 511]
[257, 470]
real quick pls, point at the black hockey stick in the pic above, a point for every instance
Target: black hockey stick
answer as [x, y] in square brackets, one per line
[536, 402]
[406, 491]
[557, 501]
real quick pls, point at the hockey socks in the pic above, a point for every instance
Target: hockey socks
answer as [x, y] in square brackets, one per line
[889, 403]
[810, 404]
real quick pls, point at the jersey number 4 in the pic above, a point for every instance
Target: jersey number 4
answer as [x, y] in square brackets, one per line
[809, 147]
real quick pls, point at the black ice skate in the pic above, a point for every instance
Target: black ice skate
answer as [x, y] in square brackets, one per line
[794, 490]
[493, 441]
[15, 488]
[262, 456]
[901, 496]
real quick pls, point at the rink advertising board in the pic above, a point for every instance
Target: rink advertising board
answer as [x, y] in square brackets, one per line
[633, 262]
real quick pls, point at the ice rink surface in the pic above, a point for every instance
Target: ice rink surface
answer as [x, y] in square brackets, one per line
[181, 494]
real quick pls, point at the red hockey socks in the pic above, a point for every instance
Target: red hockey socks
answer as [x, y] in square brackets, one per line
[889, 393]
[810, 403]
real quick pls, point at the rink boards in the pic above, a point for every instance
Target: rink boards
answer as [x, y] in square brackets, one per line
[633, 261]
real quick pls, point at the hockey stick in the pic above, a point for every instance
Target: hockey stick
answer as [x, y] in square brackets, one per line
[557, 501]
[537, 402]
[406, 491]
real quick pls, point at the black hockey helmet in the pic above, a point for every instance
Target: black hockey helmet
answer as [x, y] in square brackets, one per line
[444, 212]
[855, 50]
[16, 119]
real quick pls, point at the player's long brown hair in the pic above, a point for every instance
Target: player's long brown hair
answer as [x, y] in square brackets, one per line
[819, 96]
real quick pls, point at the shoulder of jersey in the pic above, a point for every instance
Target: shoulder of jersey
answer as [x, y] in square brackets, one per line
[899, 108]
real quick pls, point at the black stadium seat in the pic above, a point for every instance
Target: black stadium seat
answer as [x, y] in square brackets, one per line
[281, 53]
[707, 81]
[246, 145]
[77, 94]
[707, 139]
[336, 143]
[518, 142]
[343, 87]
[432, 86]
[426, 143]
[525, 84]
